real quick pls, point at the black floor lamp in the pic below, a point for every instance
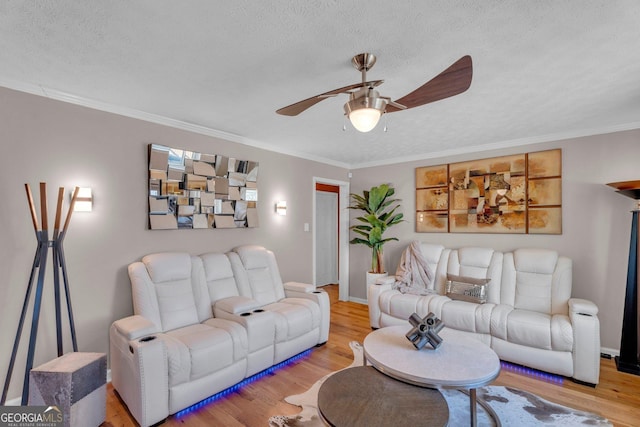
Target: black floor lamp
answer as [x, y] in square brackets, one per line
[629, 359]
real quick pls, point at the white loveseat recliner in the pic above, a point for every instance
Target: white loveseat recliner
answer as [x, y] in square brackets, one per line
[529, 317]
[204, 323]
[295, 308]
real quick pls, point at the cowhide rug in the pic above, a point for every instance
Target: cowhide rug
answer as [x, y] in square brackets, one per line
[514, 407]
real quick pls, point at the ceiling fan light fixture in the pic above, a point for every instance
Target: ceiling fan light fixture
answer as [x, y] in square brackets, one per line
[364, 112]
[364, 119]
[366, 106]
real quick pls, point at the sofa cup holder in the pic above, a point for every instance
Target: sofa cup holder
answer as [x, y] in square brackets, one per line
[143, 339]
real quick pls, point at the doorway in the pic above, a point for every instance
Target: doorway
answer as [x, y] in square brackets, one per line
[330, 235]
[327, 234]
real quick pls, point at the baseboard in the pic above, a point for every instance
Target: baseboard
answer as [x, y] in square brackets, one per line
[358, 300]
[610, 351]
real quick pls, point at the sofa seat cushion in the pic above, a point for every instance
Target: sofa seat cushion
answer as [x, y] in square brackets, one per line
[539, 330]
[294, 317]
[238, 333]
[468, 316]
[196, 351]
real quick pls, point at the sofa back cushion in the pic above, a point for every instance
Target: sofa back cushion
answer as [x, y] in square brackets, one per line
[163, 290]
[437, 257]
[537, 280]
[219, 276]
[256, 273]
[478, 263]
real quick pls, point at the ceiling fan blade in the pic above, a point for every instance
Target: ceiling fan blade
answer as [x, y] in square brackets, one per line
[452, 81]
[394, 103]
[299, 107]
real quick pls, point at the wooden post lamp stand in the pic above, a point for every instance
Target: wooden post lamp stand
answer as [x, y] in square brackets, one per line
[39, 268]
[629, 359]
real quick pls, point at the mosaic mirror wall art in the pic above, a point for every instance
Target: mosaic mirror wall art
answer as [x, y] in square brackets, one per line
[510, 194]
[195, 190]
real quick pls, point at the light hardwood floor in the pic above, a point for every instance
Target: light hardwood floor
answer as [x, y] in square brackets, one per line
[617, 397]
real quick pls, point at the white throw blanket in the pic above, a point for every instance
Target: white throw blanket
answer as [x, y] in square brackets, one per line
[413, 274]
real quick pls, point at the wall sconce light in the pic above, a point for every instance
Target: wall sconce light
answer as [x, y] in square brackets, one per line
[281, 207]
[84, 200]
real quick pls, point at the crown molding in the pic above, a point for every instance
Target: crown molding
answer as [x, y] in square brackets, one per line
[157, 119]
[190, 127]
[502, 145]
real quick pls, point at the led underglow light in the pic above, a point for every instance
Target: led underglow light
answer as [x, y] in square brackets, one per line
[242, 383]
[534, 373]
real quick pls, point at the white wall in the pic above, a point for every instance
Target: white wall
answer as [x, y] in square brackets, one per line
[66, 145]
[596, 220]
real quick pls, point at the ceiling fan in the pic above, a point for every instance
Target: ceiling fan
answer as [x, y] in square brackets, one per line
[366, 106]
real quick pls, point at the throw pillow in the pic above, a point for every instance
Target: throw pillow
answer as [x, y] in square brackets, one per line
[469, 289]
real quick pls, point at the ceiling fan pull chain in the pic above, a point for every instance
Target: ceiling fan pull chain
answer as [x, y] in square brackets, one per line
[385, 123]
[344, 123]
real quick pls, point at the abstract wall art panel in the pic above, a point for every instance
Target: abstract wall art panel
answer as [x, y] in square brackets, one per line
[432, 222]
[431, 199]
[432, 176]
[516, 194]
[199, 191]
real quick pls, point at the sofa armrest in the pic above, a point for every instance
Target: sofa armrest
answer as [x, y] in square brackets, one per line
[235, 305]
[298, 287]
[586, 340]
[583, 307]
[320, 297]
[386, 280]
[139, 368]
[373, 296]
[134, 327]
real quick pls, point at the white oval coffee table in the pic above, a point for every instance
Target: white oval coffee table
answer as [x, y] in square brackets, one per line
[460, 362]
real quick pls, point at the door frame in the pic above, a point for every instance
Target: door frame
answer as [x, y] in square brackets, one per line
[343, 238]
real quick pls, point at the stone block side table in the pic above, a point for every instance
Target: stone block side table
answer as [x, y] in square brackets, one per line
[76, 384]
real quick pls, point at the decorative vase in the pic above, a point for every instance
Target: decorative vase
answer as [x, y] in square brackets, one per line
[372, 277]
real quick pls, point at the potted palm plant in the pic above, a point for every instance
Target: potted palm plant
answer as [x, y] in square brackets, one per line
[379, 214]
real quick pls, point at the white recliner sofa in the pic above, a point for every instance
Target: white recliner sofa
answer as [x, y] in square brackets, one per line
[204, 323]
[529, 317]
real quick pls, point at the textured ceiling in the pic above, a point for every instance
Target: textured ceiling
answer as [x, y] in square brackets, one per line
[543, 69]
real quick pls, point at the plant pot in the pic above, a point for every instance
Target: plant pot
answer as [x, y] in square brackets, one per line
[372, 277]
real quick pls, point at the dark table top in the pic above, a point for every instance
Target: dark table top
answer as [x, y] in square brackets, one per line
[362, 396]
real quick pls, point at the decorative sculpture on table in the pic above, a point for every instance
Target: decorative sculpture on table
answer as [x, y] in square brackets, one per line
[425, 331]
[39, 266]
